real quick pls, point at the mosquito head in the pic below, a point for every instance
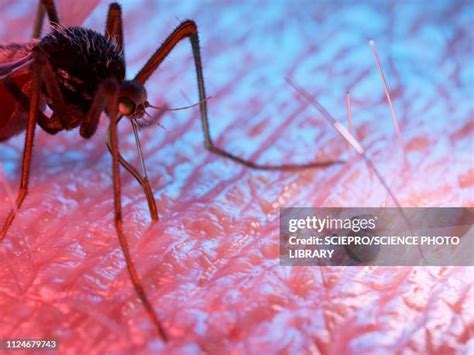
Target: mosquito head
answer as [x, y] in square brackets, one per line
[132, 99]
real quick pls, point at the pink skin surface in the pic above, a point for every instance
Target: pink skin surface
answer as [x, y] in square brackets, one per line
[210, 266]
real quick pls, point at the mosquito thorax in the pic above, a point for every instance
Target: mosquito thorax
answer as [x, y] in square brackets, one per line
[81, 59]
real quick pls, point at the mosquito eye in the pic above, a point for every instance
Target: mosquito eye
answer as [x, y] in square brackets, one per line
[126, 106]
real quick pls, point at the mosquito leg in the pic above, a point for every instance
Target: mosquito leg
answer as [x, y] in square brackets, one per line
[188, 29]
[54, 92]
[91, 122]
[57, 121]
[50, 124]
[39, 18]
[287, 167]
[28, 150]
[113, 26]
[106, 98]
[48, 7]
[51, 11]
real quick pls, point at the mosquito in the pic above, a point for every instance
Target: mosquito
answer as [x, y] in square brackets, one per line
[79, 73]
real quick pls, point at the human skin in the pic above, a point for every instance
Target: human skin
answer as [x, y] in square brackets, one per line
[210, 266]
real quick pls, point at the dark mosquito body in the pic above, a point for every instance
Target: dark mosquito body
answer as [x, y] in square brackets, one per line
[81, 59]
[79, 74]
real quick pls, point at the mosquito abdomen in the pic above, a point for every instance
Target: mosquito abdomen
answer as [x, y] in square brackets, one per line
[12, 116]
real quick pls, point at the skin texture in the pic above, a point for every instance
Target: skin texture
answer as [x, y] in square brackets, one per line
[211, 266]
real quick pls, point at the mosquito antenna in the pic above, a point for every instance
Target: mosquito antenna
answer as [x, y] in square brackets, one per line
[150, 122]
[385, 87]
[180, 108]
[139, 148]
